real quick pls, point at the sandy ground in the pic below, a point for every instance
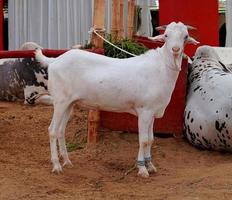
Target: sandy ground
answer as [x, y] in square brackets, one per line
[99, 171]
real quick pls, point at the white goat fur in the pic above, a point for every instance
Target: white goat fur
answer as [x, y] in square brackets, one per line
[141, 85]
[29, 46]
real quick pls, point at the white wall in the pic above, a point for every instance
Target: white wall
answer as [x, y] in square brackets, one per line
[36, 21]
[228, 23]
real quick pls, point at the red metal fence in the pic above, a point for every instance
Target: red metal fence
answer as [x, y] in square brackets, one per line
[46, 52]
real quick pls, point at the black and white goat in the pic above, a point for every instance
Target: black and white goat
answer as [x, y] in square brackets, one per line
[208, 110]
[24, 79]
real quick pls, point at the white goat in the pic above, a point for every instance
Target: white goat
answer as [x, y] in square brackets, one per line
[141, 85]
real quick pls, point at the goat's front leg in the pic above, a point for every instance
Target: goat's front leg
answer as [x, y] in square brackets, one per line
[145, 119]
[148, 157]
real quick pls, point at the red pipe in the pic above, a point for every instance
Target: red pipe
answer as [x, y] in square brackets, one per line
[46, 52]
[30, 53]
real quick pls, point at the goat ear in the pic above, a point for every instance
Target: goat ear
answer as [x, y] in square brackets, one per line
[161, 28]
[159, 38]
[191, 40]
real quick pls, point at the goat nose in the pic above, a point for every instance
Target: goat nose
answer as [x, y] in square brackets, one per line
[175, 49]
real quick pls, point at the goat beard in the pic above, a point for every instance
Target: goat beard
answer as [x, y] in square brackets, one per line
[176, 60]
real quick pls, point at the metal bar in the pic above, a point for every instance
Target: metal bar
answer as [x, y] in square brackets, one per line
[46, 52]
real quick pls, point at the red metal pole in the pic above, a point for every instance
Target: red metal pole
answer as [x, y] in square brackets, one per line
[46, 52]
[30, 53]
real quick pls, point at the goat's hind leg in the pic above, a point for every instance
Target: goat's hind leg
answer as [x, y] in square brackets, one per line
[54, 128]
[61, 137]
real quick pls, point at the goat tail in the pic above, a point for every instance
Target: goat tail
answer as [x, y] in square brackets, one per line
[42, 59]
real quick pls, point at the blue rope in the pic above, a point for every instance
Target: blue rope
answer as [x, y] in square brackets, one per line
[148, 159]
[140, 163]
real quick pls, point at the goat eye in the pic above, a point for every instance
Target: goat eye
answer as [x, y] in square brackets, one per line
[186, 37]
[166, 35]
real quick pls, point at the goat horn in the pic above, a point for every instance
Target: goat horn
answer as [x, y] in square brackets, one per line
[161, 28]
[191, 27]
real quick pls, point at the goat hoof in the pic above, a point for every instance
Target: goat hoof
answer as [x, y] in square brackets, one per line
[57, 169]
[143, 172]
[67, 163]
[151, 168]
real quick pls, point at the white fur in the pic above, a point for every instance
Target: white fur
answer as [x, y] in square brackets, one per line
[141, 85]
[29, 46]
[45, 61]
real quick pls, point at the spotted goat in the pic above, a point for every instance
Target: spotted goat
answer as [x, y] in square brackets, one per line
[208, 112]
[24, 79]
